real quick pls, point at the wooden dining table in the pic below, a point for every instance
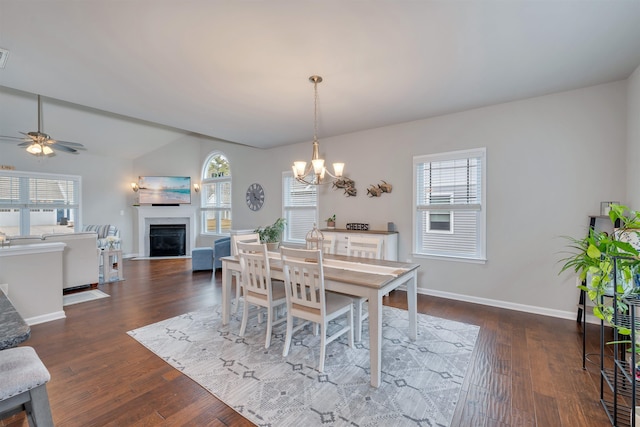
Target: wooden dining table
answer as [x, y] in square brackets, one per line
[362, 277]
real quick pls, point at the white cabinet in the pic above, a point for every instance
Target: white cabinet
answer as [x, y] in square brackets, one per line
[389, 241]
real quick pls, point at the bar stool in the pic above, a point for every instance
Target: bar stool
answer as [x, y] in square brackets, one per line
[23, 379]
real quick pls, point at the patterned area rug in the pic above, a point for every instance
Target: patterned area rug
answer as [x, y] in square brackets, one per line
[421, 380]
[83, 296]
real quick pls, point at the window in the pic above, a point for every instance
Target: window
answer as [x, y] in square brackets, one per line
[449, 204]
[37, 203]
[300, 208]
[216, 195]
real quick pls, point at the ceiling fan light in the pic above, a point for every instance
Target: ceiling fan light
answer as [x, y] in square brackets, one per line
[47, 150]
[34, 149]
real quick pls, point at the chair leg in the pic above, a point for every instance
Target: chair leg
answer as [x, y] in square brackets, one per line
[38, 409]
[288, 337]
[238, 292]
[350, 320]
[323, 345]
[245, 317]
[267, 341]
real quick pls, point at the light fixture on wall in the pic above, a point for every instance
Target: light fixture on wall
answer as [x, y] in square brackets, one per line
[196, 187]
[314, 174]
[134, 186]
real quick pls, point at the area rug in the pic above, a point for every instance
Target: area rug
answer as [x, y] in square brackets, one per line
[421, 380]
[83, 296]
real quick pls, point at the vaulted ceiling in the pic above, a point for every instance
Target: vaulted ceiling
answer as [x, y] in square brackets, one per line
[238, 70]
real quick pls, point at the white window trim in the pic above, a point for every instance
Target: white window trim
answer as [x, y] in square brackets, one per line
[481, 257]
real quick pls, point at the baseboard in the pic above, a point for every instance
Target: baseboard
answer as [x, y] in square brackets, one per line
[45, 318]
[500, 304]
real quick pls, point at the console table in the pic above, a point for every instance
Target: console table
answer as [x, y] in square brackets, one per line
[13, 329]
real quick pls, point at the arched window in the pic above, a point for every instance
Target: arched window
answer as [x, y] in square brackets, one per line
[216, 195]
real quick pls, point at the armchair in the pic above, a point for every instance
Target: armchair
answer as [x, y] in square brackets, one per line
[221, 248]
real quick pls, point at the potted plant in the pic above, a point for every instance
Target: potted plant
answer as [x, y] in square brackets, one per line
[331, 221]
[597, 256]
[271, 234]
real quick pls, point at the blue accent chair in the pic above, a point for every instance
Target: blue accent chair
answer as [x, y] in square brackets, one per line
[221, 248]
[208, 258]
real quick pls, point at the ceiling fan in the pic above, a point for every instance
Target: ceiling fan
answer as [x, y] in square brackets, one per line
[39, 143]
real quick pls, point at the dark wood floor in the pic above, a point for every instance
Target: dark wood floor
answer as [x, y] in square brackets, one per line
[526, 369]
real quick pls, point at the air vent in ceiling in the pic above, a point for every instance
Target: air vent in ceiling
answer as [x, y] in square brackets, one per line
[4, 54]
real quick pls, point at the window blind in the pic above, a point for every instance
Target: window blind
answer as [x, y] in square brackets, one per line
[300, 208]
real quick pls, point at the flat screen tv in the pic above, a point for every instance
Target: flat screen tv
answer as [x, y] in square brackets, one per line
[164, 190]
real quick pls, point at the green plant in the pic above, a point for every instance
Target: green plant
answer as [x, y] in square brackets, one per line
[332, 218]
[271, 233]
[594, 257]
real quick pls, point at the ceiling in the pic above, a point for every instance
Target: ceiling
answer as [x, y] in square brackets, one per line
[238, 70]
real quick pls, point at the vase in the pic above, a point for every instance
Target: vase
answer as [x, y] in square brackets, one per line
[331, 224]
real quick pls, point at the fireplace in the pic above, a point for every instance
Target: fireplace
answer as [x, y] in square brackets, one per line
[167, 239]
[146, 216]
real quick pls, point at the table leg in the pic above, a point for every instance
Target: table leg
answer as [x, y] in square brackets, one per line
[412, 305]
[226, 293]
[375, 337]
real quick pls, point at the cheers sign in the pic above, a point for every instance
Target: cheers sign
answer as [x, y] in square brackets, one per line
[356, 226]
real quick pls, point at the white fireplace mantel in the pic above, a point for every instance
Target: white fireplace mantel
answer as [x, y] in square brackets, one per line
[147, 215]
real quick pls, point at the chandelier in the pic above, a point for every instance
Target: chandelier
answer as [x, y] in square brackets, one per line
[314, 174]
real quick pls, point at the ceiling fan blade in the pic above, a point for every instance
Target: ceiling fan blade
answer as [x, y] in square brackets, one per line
[27, 135]
[25, 144]
[11, 138]
[68, 143]
[66, 149]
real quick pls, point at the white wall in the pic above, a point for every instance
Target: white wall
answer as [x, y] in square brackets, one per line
[633, 139]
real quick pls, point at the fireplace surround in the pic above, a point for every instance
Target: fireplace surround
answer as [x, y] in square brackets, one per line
[176, 215]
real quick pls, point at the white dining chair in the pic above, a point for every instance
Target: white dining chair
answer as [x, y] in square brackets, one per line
[245, 238]
[307, 299]
[363, 247]
[328, 244]
[258, 288]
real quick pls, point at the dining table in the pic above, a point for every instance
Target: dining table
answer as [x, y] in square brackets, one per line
[358, 277]
[13, 329]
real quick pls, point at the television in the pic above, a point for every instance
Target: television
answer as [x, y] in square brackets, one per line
[164, 190]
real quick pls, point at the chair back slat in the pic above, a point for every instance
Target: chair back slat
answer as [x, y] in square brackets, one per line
[304, 279]
[254, 264]
[364, 247]
[246, 238]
